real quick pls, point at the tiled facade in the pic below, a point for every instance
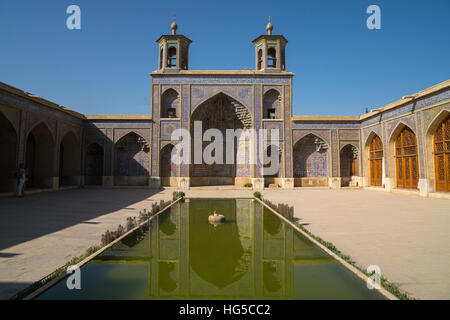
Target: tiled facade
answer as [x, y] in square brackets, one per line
[310, 146]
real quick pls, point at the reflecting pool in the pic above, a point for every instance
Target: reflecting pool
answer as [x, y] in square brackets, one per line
[180, 255]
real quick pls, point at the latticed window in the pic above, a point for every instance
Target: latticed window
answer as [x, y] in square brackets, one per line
[376, 161]
[442, 156]
[406, 159]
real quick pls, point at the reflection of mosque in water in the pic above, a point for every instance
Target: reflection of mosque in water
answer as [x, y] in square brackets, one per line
[252, 255]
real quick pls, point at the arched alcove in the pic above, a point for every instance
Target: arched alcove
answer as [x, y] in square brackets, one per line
[94, 160]
[375, 158]
[8, 160]
[403, 162]
[272, 105]
[132, 161]
[441, 152]
[272, 171]
[39, 157]
[69, 160]
[170, 104]
[220, 112]
[167, 169]
[348, 164]
[311, 162]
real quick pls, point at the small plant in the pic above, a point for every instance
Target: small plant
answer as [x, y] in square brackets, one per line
[131, 223]
[177, 195]
[248, 185]
[257, 194]
[38, 284]
[110, 236]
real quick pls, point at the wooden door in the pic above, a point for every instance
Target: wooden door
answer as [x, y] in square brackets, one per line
[442, 156]
[406, 159]
[376, 161]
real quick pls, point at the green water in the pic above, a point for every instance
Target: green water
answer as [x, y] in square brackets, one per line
[179, 255]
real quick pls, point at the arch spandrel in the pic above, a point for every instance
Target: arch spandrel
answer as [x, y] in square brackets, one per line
[242, 94]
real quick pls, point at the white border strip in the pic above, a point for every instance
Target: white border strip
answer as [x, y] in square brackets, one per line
[92, 256]
[357, 272]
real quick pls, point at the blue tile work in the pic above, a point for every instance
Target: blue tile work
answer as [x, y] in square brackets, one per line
[308, 162]
[366, 132]
[410, 107]
[334, 153]
[155, 135]
[221, 79]
[325, 125]
[278, 88]
[349, 134]
[116, 124]
[287, 134]
[167, 127]
[258, 106]
[185, 111]
[120, 133]
[7, 99]
[242, 93]
[273, 125]
[409, 121]
[299, 134]
[164, 88]
[109, 152]
[421, 148]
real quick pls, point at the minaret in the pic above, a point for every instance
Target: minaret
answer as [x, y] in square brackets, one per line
[173, 51]
[270, 51]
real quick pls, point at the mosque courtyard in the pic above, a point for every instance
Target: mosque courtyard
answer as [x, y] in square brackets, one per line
[408, 241]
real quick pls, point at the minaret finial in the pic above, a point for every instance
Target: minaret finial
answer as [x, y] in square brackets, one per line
[269, 28]
[174, 25]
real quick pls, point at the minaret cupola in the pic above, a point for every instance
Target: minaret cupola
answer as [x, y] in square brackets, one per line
[173, 51]
[270, 51]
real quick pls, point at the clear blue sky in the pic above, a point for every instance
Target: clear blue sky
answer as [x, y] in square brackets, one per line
[340, 66]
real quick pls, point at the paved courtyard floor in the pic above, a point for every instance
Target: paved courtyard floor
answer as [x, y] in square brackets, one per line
[42, 232]
[406, 236]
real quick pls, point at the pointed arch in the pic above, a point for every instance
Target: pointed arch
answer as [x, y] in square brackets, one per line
[217, 93]
[398, 128]
[374, 160]
[170, 103]
[369, 137]
[120, 136]
[403, 156]
[272, 104]
[94, 164]
[220, 112]
[41, 124]
[348, 156]
[437, 148]
[69, 160]
[275, 169]
[167, 169]
[8, 160]
[437, 120]
[39, 156]
[310, 157]
[132, 160]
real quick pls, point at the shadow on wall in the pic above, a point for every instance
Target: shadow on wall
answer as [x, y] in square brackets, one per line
[132, 161]
[8, 146]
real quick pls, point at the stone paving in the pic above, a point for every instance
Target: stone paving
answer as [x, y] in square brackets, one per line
[406, 236]
[42, 232]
